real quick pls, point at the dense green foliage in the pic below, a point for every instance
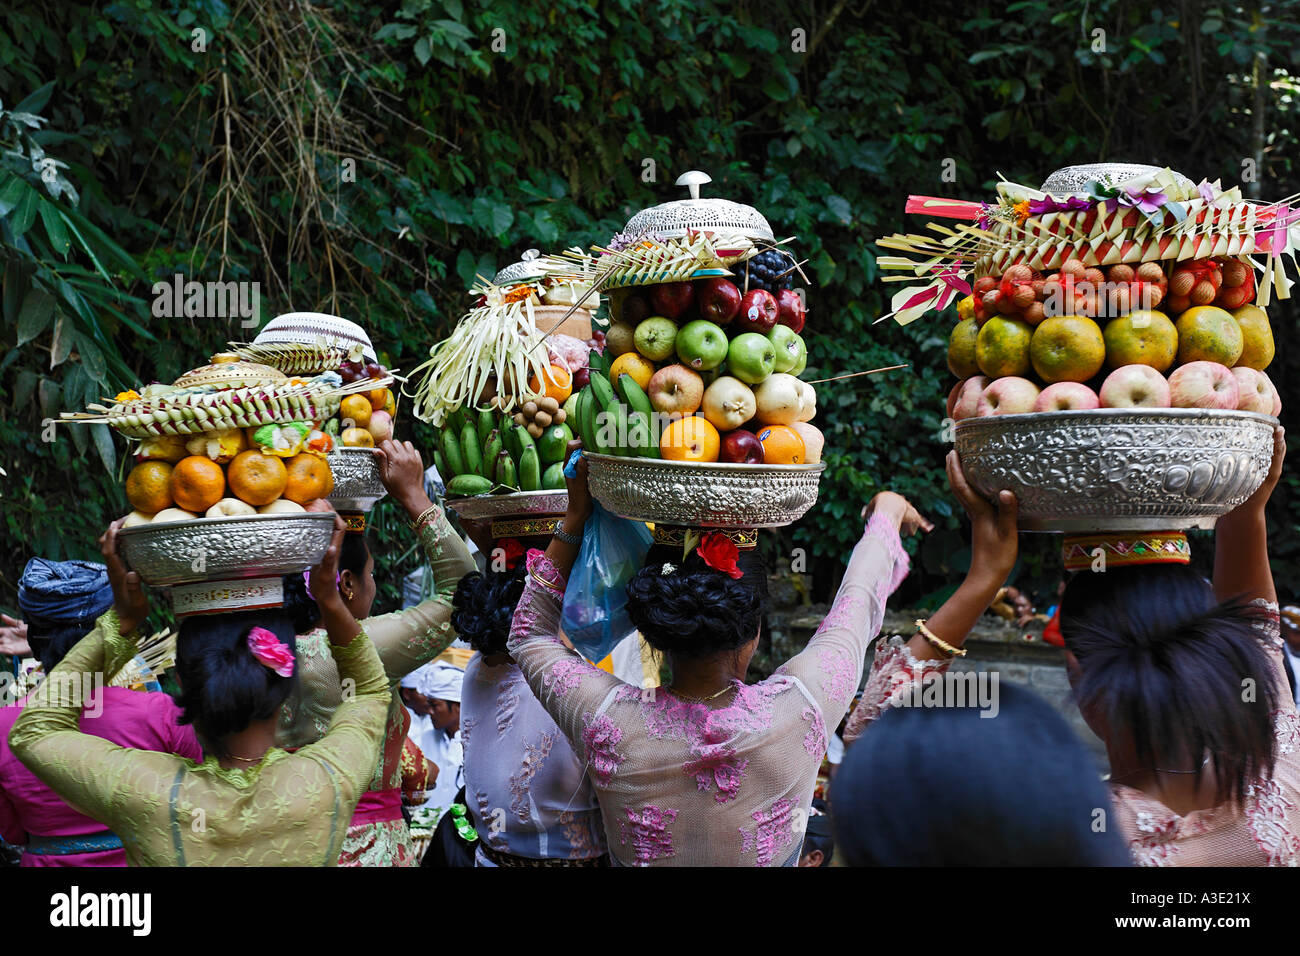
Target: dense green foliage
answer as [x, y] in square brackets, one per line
[369, 158]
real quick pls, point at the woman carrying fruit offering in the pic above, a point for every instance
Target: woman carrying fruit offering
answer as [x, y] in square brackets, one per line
[405, 640]
[248, 803]
[1182, 680]
[708, 771]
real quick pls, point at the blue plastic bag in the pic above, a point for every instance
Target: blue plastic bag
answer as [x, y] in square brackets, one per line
[595, 601]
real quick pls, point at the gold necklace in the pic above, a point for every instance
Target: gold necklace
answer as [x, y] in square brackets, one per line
[247, 759]
[700, 700]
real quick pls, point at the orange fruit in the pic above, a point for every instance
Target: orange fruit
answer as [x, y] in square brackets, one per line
[689, 439]
[357, 408]
[1143, 337]
[1002, 347]
[635, 364]
[1207, 333]
[1067, 348]
[258, 479]
[379, 398]
[146, 487]
[309, 478]
[197, 483]
[782, 445]
[559, 384]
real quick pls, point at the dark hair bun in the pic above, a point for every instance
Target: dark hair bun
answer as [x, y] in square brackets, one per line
[484, 607]
[696, 611]
[224, 688]
[50, 644]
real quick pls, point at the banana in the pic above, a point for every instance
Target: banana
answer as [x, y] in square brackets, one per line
[451, 453]
[583, 424]
[439, 462]
[487, 420]
[530, 470]
[491, 448]
[644, 441]
[470, 448]
[469, 485]
[596, 363]
[506, 471]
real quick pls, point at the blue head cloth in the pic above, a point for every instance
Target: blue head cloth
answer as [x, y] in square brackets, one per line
[72, 593]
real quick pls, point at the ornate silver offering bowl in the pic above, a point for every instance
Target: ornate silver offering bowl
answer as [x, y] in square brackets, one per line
[356, 479]
[521, 504]
[704, 495]
[1119, 469]
[226, 549]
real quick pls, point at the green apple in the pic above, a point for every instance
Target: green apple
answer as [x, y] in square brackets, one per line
[800, 365]
[751, 357]
[789, 347]
[570, 405]
[701, 345]
[555, 439]
[654, 337]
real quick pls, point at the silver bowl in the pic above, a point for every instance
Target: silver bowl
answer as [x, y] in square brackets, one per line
[1119, 469]
[521, 504]
[356, 479]
[704, 495]
[226, 549]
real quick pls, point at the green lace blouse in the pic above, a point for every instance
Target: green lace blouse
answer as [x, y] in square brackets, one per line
[288, 810]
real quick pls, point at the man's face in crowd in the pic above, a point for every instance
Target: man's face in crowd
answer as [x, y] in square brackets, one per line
[416, 701]
[445, 715]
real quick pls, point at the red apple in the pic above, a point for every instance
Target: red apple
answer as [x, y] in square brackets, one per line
[741, 447]
[1134, 386]
[581, 378]
[1203, 385]
[717, 300]
[1066, 396]
[758, 312]
[635, 308]
[675, 389]
[790, 309]
[672, 299]
[967, 404]
[953, 395]
[1255, 391]
[1009, 395]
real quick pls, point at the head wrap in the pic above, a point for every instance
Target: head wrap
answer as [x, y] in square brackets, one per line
[70, 593]
[441, 681]
[1123, 550]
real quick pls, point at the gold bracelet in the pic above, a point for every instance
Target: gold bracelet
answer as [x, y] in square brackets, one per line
[425, 515]
[939, 642]
[549, 585]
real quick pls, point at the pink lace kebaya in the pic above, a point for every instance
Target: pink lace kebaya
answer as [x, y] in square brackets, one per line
[724, 782]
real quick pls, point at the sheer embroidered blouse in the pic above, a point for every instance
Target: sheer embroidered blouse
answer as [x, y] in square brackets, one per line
[528, 790]
[405, 640]
[727, 782]
[1265, 832]
[290, 809]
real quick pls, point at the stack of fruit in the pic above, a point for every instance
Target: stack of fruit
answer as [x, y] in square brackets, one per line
[704, 351]
[229, 439]
[1114, 286]
[710, 368]
[309, 343]
[1142, 335]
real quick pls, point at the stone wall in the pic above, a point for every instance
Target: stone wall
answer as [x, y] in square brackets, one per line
[1016, 654]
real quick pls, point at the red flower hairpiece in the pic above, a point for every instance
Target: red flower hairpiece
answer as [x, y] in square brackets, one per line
[514, 550]
[720, 553]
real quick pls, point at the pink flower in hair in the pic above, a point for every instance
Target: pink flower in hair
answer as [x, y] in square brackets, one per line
[270, 651]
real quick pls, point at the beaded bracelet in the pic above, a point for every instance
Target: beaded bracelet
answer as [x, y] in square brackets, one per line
[939, 642]
[425, 515]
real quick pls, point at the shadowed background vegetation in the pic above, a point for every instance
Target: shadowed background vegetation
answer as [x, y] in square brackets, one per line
[368, 159]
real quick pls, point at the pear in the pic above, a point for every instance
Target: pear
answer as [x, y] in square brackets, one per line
[1257, 337]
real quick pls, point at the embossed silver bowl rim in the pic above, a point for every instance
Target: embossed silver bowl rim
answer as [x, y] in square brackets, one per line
[1107, 506]
[1070, 180]
[357, 485]
[247, 546]
[634, 488]
[518, 504]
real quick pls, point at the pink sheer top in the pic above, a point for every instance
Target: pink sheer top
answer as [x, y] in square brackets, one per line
[128, 718]
[726, 782]
[1264, 832]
